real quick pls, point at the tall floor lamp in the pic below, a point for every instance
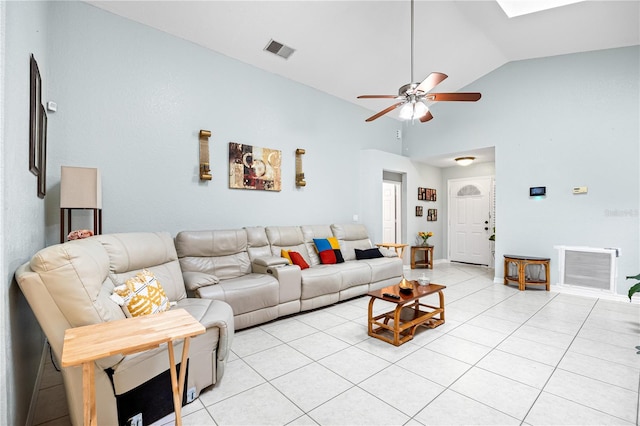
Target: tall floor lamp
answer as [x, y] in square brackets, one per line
[80, 189]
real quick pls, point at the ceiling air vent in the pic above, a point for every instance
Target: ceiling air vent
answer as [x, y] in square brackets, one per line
[279, 49]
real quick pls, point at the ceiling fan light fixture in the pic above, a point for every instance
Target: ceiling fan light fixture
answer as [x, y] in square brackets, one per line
[413, 110]
[406, 112]
[465, 161]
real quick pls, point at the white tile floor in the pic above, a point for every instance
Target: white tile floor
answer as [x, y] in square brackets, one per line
[502, 357]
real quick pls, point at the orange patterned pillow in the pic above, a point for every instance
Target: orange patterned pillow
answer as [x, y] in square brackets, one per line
[141, 295]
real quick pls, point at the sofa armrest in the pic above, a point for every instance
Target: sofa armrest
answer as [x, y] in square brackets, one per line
[290, 281]
[195, 280]
[260, 264]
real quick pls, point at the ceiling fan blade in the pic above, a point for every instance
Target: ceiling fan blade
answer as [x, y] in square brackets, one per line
[384, 111]
[431, 81]
[439, 97]
[377, 96]
[426, 117]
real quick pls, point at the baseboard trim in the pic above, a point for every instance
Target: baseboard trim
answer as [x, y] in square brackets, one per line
[36, 386]
[584, 292]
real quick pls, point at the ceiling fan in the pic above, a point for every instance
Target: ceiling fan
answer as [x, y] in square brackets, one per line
[414, 96]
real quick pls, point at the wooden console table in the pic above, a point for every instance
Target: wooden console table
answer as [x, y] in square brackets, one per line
[428, 256]
[408, 315]
[399, 248]
[84, 345]
[521, 263]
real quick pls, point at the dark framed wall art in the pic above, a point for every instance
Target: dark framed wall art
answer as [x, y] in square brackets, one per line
[35, 101]
[37, 128]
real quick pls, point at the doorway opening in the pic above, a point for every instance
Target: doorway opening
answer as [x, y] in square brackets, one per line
[392, 211]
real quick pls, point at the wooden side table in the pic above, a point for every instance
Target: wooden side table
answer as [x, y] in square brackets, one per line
[84, 345]
[399, 248]
[428, 256]
[521, 263]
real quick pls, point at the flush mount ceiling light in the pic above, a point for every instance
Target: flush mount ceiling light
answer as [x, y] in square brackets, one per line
[465, 161]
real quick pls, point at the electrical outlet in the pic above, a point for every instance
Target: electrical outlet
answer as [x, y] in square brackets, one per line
[135, 420]
[191, 394]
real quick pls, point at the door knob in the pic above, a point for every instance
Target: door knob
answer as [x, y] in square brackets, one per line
[486, 228]
[486, 222]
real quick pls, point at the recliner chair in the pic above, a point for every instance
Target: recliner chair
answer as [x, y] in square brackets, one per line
[68, 285]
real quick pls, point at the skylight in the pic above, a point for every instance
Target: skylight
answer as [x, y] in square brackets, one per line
[515, 8]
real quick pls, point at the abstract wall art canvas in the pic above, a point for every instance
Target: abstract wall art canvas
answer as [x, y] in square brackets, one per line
[253, 167]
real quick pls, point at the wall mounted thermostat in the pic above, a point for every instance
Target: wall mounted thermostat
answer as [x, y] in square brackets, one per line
[537, 191]
[580, 190]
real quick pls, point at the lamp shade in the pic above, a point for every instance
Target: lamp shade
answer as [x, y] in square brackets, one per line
[80, 188]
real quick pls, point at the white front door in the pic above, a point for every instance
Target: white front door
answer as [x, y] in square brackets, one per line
[391, 212]
[469, 217]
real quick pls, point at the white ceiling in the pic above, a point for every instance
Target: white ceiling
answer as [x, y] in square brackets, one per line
[350, 48]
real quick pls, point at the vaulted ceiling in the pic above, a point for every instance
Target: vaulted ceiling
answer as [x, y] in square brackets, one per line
[349, 48]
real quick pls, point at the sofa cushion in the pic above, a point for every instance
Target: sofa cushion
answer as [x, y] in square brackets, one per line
[384, 268]
[328, 257]
[221, 252]
[322, 244]
[141, 295]
[351, 236]
[245, 294]
[319, 281]
[130, 253]
[195, 280]
[353, 274]
[371, 253]
[285, 254]
[297, 259]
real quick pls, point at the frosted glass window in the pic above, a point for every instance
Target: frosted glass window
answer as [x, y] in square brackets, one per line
[469, 190]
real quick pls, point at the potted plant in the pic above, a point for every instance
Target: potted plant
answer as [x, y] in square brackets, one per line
[634, 288]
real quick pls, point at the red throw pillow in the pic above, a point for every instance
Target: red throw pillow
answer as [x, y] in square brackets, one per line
[327, 257]
[297, 259]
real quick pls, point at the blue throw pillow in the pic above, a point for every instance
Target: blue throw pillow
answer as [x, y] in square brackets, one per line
[322, 244]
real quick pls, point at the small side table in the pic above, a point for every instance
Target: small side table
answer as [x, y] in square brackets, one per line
[399, 248]
[84, 345]
[521, 263]
[428, 256]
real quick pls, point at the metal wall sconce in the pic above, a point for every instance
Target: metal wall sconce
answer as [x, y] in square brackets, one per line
[299, 173]
[205, 172]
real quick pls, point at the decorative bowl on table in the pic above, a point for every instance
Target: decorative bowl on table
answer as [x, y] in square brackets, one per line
[424, 280]
[405, 286]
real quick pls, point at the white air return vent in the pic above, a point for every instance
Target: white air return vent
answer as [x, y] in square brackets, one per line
[587, 267]
[279, 49]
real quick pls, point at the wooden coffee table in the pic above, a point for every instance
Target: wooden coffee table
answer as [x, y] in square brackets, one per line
[408, 314]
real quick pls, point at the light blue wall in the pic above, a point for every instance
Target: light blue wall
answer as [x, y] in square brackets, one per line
[373, 163]
[558, 122]
[459, 172]
[131, 101]
[23, 225]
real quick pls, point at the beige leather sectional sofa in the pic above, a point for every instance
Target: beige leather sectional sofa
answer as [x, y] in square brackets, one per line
[237, 279]
[244, 268]
[69, 285]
